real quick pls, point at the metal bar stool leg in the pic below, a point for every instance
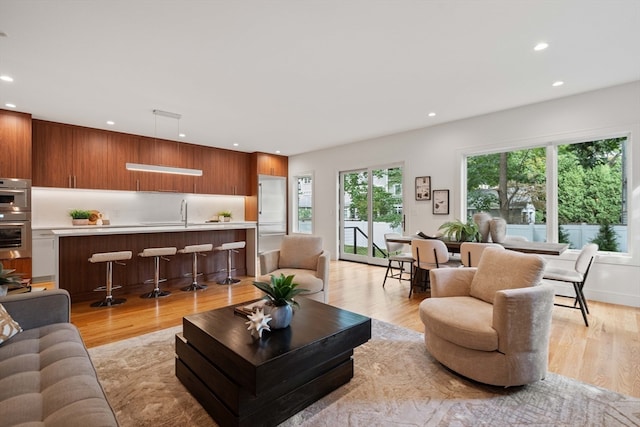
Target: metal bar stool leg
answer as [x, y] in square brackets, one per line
[195, 251]
[157, 254]
[156, 292]
[109, 258]
[230, 248]
[195, 286]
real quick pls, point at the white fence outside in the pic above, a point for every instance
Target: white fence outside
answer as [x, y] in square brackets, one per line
[579, 234]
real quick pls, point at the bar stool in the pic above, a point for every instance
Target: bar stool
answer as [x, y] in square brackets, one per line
[109, 258]
[195, 250]
[230, 247]
[157, 254]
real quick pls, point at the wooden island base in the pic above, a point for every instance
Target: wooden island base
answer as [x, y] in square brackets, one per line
[80, 277]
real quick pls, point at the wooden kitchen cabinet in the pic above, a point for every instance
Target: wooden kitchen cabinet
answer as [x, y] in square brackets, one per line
[123, 149]
[20, 265]
[162, 152]
[223, 171]
[238, 164]
[271, 164]
[15, 140]
[70, 156]
[52, 154]
[90, 159]
[80, 277]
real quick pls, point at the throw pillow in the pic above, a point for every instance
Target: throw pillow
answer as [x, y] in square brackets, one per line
[300, 252]
[8, 326]
[499, 270]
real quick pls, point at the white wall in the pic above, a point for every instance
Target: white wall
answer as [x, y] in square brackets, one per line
[437, 152]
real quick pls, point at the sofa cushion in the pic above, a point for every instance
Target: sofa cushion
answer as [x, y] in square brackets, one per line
[300, 252]
[464, 321]
[47, 379]
[304, 278]
[8, 326]
[490, 277]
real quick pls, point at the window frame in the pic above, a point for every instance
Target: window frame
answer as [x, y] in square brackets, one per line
[551, 144]
[295, 200]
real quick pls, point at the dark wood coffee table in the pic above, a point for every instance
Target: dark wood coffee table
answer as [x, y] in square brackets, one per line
[243, 381]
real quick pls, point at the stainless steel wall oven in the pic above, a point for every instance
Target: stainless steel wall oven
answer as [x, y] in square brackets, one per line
[15, 218]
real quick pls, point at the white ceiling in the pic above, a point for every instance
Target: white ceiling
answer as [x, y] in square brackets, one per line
[298, 76]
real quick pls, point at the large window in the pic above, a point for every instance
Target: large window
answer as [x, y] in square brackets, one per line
[587, 200]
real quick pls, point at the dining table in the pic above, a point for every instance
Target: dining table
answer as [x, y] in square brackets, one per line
[541, 248]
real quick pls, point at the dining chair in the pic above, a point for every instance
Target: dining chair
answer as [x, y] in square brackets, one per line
[577, 276]
[394, 255]
[470, 252]
[428, 254]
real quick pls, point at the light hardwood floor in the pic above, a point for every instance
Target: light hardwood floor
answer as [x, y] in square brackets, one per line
[606, 354]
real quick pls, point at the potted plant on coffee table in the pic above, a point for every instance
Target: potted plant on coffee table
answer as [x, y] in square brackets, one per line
[280, 293]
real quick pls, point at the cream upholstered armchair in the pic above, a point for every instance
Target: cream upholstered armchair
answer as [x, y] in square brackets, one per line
[303, 256]
[491, 323]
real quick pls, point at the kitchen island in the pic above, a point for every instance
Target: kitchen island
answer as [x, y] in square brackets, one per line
[74, 246]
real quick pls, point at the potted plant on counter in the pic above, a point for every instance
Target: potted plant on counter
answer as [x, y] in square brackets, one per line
[80, 217]
[280, 302]
[459, 231]
[224, 216]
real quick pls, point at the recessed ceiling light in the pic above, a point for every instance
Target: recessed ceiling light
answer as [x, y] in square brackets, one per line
[277, 151]
[182, 135]
[10, 105]
[6, 78]
[541, 46]
[558, 83]
[110, 122]
[431, 114]
[235, 144]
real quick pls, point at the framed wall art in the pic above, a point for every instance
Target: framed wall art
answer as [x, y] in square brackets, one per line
[440, 202]
[423, 188]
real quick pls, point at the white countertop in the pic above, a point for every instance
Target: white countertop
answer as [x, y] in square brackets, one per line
[166, 227]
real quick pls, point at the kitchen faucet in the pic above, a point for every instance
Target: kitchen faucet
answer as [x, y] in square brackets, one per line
[184, 212]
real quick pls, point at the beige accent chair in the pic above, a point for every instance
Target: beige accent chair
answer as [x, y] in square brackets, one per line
[303, 256]
[491, 323]
[428, 254]
[470, 252]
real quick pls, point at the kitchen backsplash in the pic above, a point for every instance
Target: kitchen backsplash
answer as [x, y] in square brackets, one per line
[51, 206]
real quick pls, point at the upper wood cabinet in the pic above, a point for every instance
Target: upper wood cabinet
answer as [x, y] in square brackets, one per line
[52, 154]
[70, 156]
[123, 149]
[90, 159]
[76, 157]
[223, 171]
[161, 152]
[15, 140]
[271, 164]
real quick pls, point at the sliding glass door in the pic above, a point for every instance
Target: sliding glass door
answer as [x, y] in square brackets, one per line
[370, 206]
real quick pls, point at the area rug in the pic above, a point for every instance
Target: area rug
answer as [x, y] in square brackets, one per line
[396, 383]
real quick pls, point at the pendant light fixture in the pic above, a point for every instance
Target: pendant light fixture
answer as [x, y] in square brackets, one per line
[163, 169]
